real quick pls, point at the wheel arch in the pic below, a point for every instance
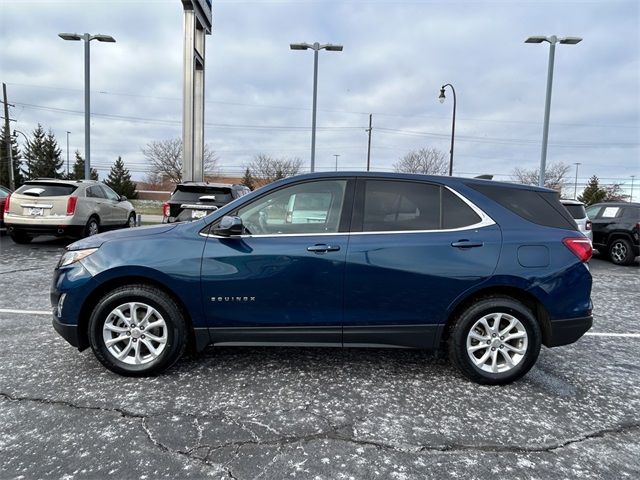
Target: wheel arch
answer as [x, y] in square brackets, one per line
[103, 288]
[526, 298]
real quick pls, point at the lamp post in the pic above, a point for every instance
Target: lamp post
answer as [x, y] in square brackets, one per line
[15, 134]
[453, 122]
[87, 37]
[552, 40]
[316, 47]
[68, 132]
[336, 155]
[631, 196]
[575, 185]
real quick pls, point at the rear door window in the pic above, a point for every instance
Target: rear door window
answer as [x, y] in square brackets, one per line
[390, 205]
[95, 192]
[43, 189]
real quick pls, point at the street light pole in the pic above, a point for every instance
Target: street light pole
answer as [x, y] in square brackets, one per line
[15, 134]
[336, 155]
[87, 37]
[575, 185]
[68, 171]
[316, 47]
[552, 40]
[631, 196]
[453, 122]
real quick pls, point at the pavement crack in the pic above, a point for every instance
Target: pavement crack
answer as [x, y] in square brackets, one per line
[64, 403]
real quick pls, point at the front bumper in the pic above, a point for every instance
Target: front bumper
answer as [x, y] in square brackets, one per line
[566, 331]
[68, 332]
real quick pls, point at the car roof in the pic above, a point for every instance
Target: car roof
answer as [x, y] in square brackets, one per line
[616, 204]
[568, 201]
[206, 184]
[62, 182]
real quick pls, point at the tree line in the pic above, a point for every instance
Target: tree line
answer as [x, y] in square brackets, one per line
[42, 158]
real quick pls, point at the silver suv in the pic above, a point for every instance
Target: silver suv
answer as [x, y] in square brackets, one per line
[577, 211]
[73, 208]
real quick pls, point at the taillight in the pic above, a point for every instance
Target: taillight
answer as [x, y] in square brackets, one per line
[588, 225]
[7, 204]
[71, 205]
[165, 209]
[581, 247]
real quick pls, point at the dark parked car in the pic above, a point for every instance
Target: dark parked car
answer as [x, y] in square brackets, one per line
[490, 270]
[194, 200]
[616, 230]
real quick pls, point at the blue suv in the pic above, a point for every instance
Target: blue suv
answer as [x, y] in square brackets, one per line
[489, 271]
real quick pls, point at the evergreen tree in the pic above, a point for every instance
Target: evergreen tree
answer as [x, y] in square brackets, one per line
[593, 193]
[119, 180]
[77, 172]
[247, 180]
[43, 155]
[18, 178]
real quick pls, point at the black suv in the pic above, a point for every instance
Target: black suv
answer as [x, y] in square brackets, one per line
[616, 230]
[193, 200]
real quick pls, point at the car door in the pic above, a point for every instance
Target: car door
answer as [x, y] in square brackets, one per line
[96, 203]
[282, 281]
[415, 247]
[604, 223]
[118, 211]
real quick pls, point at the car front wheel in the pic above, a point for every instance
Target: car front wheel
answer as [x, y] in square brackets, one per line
[495, 341]
[137, 330]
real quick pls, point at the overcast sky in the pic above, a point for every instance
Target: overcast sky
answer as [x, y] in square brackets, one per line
[396, 56]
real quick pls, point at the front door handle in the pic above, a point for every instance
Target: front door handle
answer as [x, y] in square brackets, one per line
[322, 248]
[466, 244]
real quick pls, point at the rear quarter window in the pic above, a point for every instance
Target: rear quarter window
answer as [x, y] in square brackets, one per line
[46, 189]
[542, 208]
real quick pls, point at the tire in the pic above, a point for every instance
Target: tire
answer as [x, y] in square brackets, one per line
[92, 227]
[137, 358]
[20, 238]
[620, 252]
[523, 349]
[131, 221]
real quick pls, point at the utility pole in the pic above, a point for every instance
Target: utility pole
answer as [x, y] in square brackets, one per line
[369, 145]
[575, 185]
[336, 155]
[7, 133]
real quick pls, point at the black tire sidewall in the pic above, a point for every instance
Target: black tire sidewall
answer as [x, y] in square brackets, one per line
[458, 339]
[176, 329]
[85, 233]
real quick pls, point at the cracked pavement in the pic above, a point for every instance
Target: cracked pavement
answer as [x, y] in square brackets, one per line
[268, 413]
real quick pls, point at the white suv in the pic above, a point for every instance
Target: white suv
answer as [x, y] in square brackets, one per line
[577, 211]
[74, 208]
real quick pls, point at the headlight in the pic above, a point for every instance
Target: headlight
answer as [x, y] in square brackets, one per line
[74, 256]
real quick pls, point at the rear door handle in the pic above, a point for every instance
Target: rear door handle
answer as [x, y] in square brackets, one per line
[466, 244]
[322, 248]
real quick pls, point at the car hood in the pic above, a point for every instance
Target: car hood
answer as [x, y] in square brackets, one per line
[129, 233]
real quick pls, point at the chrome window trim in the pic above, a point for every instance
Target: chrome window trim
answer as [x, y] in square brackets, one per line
[485, 221]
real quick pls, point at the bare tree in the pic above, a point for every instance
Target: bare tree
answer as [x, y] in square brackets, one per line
[428, 161]
[555, 176]
[165, 159]
[265, 169]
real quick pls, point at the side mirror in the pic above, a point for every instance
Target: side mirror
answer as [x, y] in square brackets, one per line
[229, 226]
[123, 198]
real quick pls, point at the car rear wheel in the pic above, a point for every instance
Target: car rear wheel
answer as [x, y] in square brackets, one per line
[621, 252]
[20, 237]
[137, 330]
[495, 341]
[92, 227]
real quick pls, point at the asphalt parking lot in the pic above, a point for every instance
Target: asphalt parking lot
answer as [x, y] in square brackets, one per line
[272, 413]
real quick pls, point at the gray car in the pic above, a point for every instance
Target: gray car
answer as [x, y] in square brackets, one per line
[69, 208]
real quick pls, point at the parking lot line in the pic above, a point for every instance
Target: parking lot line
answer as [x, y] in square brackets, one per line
[25, 312]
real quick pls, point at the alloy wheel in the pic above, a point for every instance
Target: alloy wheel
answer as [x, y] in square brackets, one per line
[497, 342]
[135, 333]
[618, 252]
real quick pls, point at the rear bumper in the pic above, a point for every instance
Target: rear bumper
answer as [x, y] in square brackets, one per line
[35, 230]
[68, 332]
[566, 331]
